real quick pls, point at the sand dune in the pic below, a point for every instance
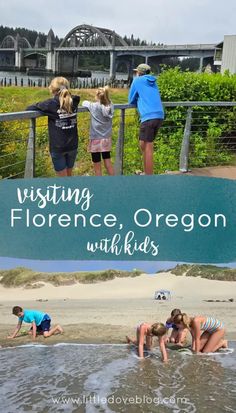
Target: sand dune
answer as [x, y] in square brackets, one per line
[120, 288]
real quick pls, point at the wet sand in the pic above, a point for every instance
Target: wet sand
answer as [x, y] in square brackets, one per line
[105, 312]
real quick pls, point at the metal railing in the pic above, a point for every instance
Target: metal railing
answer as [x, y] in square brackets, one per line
[194, 134]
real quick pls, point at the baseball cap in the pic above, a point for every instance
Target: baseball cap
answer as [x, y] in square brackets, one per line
[142, 68]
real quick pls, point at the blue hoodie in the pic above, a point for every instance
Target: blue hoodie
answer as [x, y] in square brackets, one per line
[144, 93]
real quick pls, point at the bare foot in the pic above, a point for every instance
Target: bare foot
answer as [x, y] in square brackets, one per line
[128, 340]
[60, 330]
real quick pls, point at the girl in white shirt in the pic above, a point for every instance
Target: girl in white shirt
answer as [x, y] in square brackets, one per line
[101, 130]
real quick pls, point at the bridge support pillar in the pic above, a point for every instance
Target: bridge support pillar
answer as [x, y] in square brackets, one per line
[50, 62]
[112, 65]
[75, 63]
[131, 70]
[56, 62]
[201, 64]
[19, 59]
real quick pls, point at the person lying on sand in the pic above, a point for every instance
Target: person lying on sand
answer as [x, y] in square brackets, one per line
[207, 332]
[145, 332]
[41, 323]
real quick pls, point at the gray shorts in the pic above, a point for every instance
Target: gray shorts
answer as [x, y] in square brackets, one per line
[148, 129]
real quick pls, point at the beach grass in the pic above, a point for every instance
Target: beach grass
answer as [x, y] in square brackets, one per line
[211, 272]
[25, 277]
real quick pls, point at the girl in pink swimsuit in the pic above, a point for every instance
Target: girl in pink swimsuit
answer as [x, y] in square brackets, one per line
[145, 332]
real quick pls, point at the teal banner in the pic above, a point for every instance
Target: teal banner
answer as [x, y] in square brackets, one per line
[162, 218]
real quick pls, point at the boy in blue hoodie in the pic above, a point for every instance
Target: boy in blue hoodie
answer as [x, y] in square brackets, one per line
[144, 93]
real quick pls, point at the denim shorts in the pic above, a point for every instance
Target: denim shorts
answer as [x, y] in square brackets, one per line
[63, 160]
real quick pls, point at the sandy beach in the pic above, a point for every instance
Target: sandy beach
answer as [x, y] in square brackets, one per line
[105, 312]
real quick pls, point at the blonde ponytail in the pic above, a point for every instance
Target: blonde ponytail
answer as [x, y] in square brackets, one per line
[186, 320]
[182, 318]
[65, 100]
[59, 86]
[103, 95]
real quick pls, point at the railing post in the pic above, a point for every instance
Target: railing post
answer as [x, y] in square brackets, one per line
[184, 153]
[30, 155]
[120, 145]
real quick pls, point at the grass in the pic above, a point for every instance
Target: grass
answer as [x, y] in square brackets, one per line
[18, 98]
[211, 272]
[25, 277]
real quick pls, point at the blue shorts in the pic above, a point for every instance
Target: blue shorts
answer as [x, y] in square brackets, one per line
[172, 325]
[63, 160]
[44, 325]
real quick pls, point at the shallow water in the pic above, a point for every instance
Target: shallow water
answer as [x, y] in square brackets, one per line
[111, 378]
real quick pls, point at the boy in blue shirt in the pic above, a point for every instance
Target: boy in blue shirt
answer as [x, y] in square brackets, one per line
[41, 322]
[144, 93]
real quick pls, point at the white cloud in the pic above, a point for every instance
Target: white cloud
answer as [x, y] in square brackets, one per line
[168, 21]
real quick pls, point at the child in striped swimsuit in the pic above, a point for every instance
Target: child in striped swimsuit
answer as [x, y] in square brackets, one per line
[207, 332]
[211, 325]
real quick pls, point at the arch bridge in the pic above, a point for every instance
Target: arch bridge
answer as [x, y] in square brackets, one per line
[84, 39]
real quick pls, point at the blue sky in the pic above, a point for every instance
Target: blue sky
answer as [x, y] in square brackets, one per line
[165, 21]
[68, 266]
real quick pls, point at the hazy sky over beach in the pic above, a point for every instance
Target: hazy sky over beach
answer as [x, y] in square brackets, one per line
[165, 21]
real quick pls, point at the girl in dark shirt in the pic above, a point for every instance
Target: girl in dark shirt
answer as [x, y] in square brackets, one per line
[61, 110]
